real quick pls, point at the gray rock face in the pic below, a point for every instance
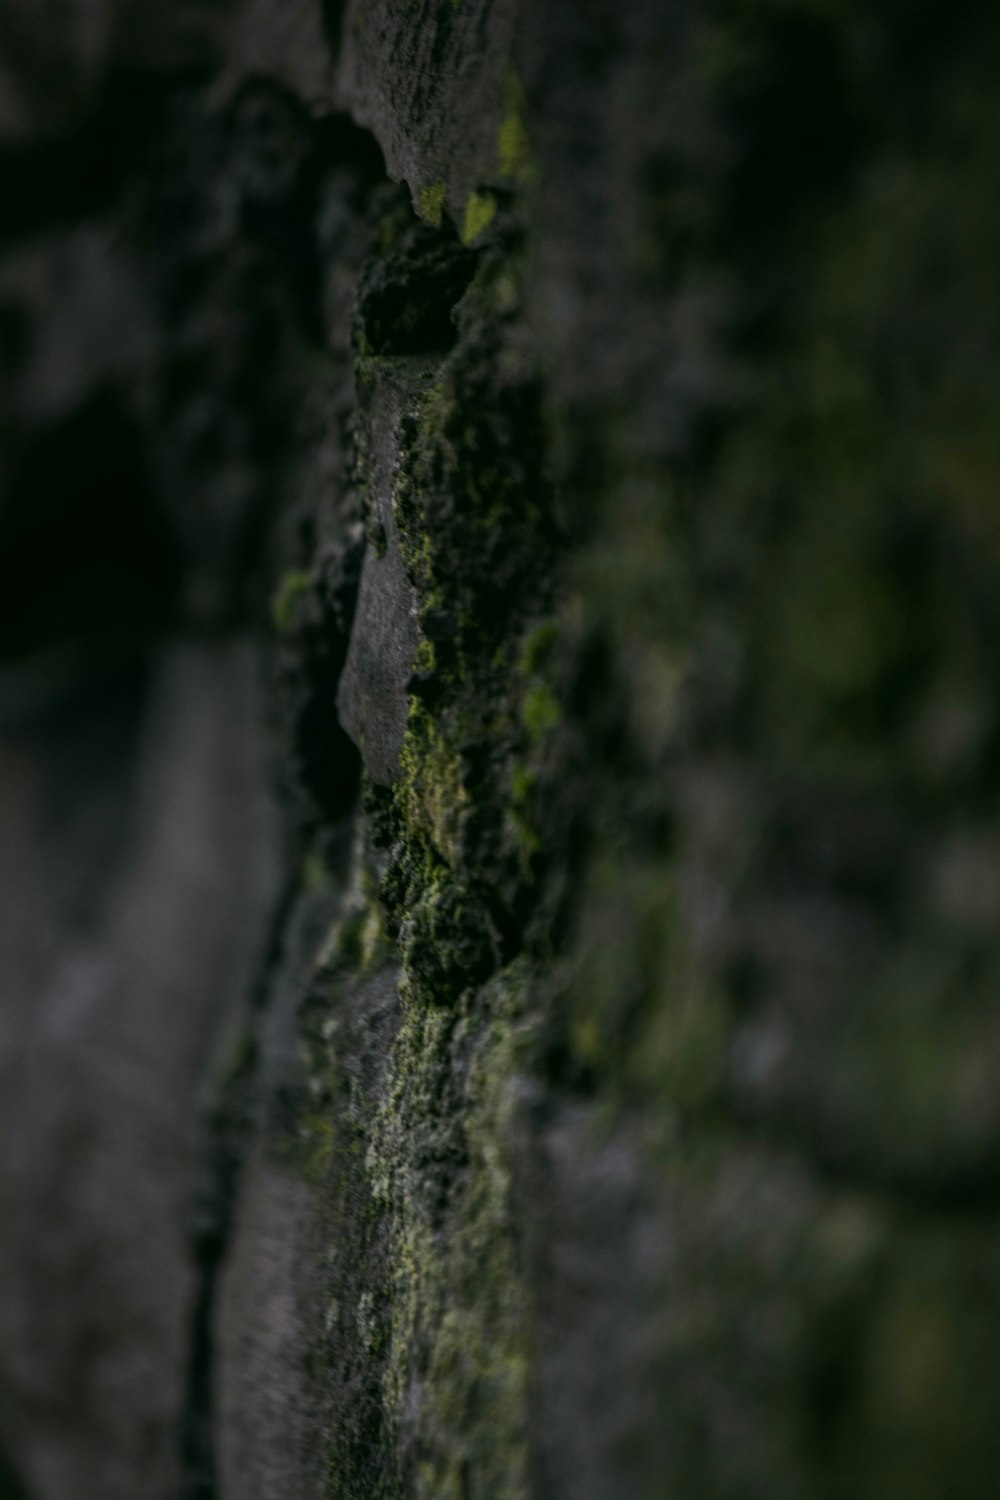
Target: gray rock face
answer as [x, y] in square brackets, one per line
[373, 694]
[608, 1107]
[433, 85]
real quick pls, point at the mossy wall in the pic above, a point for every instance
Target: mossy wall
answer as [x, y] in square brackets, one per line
[683, 1155]
[616, 1112]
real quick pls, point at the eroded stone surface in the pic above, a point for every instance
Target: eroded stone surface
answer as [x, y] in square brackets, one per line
[373, 694]
[629, 1126]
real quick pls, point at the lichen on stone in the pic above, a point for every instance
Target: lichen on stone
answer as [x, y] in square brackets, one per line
[441, 1296]
[432, 201]
[480, 211]
[515, 156]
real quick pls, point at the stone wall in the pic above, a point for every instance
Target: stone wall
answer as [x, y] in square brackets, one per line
[578, 1075]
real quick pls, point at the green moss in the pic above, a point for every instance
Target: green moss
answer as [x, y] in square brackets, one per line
[432, 795]
[292, 587]
[432, 201]
[514, 151]
[794, 620]
[320, 1146]
[424, 660]
[458, 830]
[523, 783]
[541, 712]
[480, 211]
[523, 793]
[435, 1316]
[536, 652]
[459, 1313]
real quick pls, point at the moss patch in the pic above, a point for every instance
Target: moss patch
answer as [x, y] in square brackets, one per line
[432, 1318]
[480, 211]
[516, 158]
[432, 201]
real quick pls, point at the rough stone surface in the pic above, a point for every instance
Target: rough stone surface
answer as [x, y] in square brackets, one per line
[601, 395]
[372, 696]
